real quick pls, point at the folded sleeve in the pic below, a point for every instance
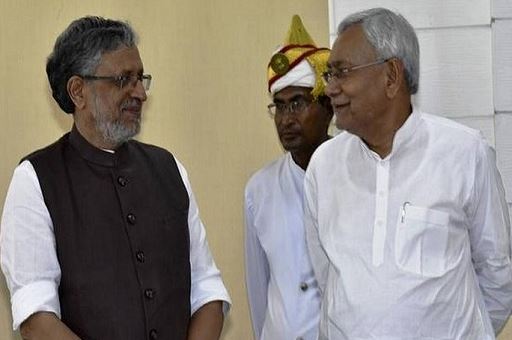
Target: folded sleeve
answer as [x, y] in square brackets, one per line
[27, 248]
[206, 281]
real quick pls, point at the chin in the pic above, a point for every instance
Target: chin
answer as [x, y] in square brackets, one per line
[291, 147]
[341, 123]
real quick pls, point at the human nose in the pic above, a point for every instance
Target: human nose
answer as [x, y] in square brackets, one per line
[332, 88]
[287, 117]
[139, 91]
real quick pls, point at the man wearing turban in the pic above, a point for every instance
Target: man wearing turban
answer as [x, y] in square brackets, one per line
[283, 294]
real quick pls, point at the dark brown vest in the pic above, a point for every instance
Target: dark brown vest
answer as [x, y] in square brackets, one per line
[121, 226]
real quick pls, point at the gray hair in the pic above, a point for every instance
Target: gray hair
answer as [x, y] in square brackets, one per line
[78, 51]
[391, 35]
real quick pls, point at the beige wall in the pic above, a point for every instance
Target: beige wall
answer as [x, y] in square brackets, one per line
[207, 103]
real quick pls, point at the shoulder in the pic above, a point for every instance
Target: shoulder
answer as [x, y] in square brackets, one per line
[47, 150]
[447, 132]
[445, 125]
[150, 148]
[267, 174]
[155, 154]
[335, 147]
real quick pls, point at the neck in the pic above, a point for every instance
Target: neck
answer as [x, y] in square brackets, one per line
[381, 139]
[87, 129]
[303, 156]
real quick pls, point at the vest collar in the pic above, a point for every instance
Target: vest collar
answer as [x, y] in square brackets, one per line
[91, 153]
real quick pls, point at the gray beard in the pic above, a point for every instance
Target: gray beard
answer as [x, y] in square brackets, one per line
[115, 132]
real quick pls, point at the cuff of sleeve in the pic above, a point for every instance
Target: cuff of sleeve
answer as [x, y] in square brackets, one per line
[209, 290]
[226, 303]
[41, 296]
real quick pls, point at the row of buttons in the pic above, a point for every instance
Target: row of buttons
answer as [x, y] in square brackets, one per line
[132, 219]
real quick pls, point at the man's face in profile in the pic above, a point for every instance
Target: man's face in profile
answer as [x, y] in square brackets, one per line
[116, 106]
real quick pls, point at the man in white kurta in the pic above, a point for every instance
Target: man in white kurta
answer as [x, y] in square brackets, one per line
[283, 293]
[406, 220]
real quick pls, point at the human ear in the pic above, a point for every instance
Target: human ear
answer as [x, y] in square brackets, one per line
[75, 88]
[394, 77]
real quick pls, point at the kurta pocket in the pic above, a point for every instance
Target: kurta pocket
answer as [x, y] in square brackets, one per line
[421, 241]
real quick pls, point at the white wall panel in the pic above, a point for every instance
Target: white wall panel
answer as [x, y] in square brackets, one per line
[504, 150]
[421, 14]
[501, 9]
[484, 124]
[456, 71]
[332, 37]
[502, 31]
[510, 214]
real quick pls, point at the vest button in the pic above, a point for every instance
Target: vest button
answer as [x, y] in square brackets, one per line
[122, 181]
[131, 218]
[140, 256]
[149, 293]
[153, 334]
[303, 286]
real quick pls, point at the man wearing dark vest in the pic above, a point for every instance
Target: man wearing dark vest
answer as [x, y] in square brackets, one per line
[101, 236]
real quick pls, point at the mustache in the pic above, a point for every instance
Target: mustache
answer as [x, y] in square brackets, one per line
[132, 104]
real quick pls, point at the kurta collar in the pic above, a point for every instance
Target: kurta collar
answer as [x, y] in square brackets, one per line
[402, 135]
[91, 153]
[294, 166]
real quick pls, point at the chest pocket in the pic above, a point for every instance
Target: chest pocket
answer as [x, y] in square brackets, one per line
[422, 241]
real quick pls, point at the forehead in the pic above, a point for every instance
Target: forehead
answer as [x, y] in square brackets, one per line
[292, 91]
[124, 59]
[351, 47]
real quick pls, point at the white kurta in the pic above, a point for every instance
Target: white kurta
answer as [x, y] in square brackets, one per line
[413, 246]
[29, 258]
[283, 294]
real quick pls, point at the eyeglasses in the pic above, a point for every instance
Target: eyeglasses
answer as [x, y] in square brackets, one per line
[122, 81]
[295, 106]
[341, 73]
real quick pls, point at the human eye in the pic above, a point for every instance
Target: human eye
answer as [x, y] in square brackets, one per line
[280, 107]
[298, 104]
[340, 73]
[123, 80]
[294, 105]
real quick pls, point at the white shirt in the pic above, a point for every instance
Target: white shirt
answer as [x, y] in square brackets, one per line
[29, 260]
[413, 246]
[283, 294]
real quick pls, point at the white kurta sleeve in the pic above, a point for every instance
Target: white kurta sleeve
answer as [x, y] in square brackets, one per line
[317, 253]
[257, 273]
[27, 248]
[490, 238]
[206, 281]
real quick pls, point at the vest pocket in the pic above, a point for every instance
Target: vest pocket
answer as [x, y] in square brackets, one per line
[421, 241]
